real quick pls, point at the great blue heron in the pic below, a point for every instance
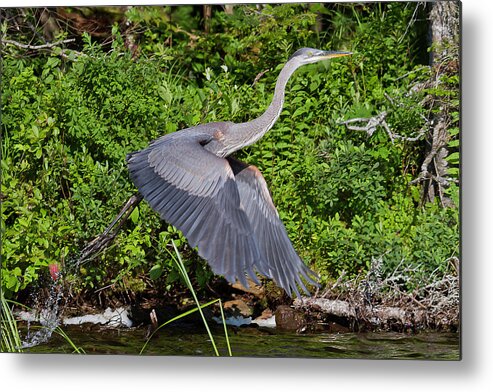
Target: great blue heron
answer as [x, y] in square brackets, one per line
[222, 205]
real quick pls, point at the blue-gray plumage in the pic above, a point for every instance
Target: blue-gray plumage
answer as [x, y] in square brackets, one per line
[222, 205]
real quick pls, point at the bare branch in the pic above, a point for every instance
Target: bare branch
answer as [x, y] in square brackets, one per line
[426, 175]
[36, 47]
[411, 72]
[65, 53]
[379, 121]
[259, 75]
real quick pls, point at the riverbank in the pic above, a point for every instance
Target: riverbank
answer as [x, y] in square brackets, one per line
[353, 305]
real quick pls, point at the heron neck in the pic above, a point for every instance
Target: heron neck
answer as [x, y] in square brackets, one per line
[270, 116]
[251, 131]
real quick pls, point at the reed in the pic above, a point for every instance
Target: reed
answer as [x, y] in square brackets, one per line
[11, 341]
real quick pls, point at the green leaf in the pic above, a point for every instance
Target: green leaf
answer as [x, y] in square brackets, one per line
[35, 131]
[453, 171]
[156, 271]
[453, 158]
[134, 216]
[299, 111]
[453, 143]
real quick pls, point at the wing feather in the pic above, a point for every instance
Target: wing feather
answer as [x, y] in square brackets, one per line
[195, 191]
[280, 260]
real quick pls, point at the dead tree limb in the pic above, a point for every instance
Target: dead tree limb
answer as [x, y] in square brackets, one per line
[379, 121]
[65, 53]
[36, 47]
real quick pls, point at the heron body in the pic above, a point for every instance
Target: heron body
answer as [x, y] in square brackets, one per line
[222, 205]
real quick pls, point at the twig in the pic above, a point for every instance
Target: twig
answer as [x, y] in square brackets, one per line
[371, 123]
[431, 305]
[426, 175]
[104, 288]
[193, 37]
[36, 47]
[411, 22]
[337, 283]
[410, 72]
[259, 75]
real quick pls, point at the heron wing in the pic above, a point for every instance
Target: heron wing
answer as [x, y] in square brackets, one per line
[195, 191]
[280, 260]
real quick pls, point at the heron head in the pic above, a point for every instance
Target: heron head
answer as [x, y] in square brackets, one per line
[310, 55]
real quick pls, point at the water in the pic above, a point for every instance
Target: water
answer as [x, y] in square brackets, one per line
[257, 342]
[48, 316]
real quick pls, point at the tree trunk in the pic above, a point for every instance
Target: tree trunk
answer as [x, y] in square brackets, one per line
[444, 34]
[228, 9]
[207, 18]
[444, 16]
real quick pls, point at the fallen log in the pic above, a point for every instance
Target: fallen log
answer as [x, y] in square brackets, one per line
[365, 317]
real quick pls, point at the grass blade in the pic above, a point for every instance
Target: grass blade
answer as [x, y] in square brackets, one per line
[225, 328]
[11, 341]
[181, 267]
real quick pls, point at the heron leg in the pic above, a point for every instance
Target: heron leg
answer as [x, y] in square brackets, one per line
[102, 241]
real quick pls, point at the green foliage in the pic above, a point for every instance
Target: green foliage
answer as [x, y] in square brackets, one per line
[352, 182]
[247, 41]
[345, 197]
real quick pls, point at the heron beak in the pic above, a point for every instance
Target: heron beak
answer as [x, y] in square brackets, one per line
[332, 54]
